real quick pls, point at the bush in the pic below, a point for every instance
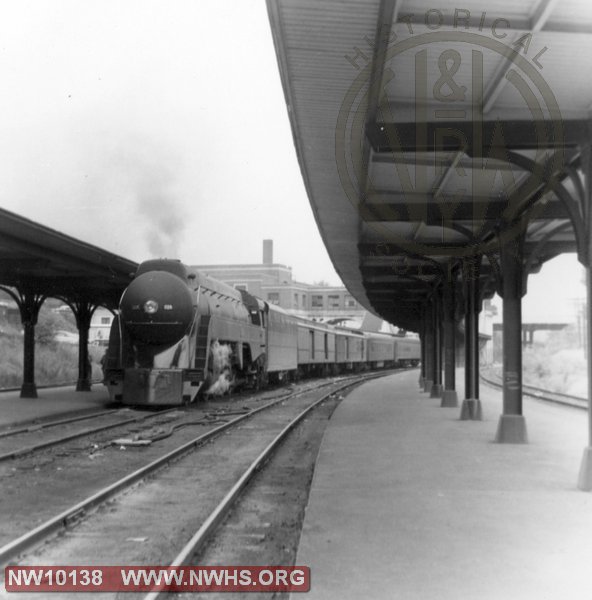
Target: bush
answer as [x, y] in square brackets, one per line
[555, 364]
[11, 361]
[55, 363]
[50, 323]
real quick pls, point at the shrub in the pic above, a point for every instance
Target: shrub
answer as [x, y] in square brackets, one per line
[55, 363]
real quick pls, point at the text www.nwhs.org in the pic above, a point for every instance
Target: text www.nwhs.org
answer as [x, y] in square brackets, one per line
[145, 579]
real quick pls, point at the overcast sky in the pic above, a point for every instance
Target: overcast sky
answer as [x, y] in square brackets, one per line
[555, 294]
[160, 129]
[153, 129]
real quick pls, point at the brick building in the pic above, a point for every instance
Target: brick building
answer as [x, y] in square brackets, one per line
[273, 282]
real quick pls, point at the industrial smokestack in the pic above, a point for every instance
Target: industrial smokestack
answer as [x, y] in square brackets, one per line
[267, 252]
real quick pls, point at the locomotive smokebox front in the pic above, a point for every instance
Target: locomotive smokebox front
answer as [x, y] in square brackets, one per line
[157, 308]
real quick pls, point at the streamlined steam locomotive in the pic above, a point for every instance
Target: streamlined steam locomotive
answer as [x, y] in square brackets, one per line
[179, 332]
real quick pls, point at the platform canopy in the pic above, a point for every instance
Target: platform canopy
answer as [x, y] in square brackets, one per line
[429, 137]
[39, 260]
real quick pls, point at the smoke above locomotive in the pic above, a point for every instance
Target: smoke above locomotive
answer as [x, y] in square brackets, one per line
[180, 333]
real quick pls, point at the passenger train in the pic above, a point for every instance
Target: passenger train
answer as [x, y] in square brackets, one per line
[179, 333]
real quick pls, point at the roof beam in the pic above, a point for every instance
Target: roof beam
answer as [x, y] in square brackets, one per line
[404, 274]
[516, 135]
[537, 21]
[393, 291]
[387, 15]
[403, 280]
[446, 173]
[390, 300]
[493, 22]
[466, 162]
[465, 208]
[392, 249]
[404, 247]
[371, 273]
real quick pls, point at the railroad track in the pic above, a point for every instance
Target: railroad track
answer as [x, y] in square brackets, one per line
[542, 394]
[191, 477]
[9, 450]
[38, 425]
[202, 535]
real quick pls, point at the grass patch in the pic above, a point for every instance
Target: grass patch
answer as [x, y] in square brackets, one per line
[55, 363]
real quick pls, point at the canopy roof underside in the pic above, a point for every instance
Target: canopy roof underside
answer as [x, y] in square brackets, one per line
[430, 136]
[38, 260]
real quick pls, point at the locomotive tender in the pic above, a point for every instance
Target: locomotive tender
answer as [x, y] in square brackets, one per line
[179, 332]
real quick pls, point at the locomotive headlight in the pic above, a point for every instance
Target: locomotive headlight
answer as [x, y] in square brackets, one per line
[150, 306]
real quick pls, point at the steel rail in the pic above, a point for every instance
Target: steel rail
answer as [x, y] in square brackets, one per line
[70, 515]
[33, 426]
[560, 394]
[48, 386]
[73, 436]
[563, 400]
[196, 543]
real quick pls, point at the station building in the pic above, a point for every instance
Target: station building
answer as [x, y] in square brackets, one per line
[273, 282]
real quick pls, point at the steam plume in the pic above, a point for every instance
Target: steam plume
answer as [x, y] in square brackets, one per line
[159, 204]
[221, 367]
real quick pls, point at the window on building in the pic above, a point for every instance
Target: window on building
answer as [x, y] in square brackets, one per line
[333, 301]
[105, 320]
[273, 297]
[349, 302]
[303, 300]
[317, 301]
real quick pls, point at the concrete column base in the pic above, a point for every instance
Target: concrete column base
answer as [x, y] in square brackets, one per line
[436, 390]
[427, 385]
[471, 410]
[449, 399]
[511, 429]
[585, 478]
[28, 390]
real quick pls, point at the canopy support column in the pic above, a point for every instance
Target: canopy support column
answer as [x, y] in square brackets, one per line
[429, 348]
[471, 406]
[511, 428]
[29, 303]
[449, 396]
[83, 312]
[436, 390]
[422, 346]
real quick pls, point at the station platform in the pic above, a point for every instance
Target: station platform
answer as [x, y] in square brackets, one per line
[408, 502]
[51, 404]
